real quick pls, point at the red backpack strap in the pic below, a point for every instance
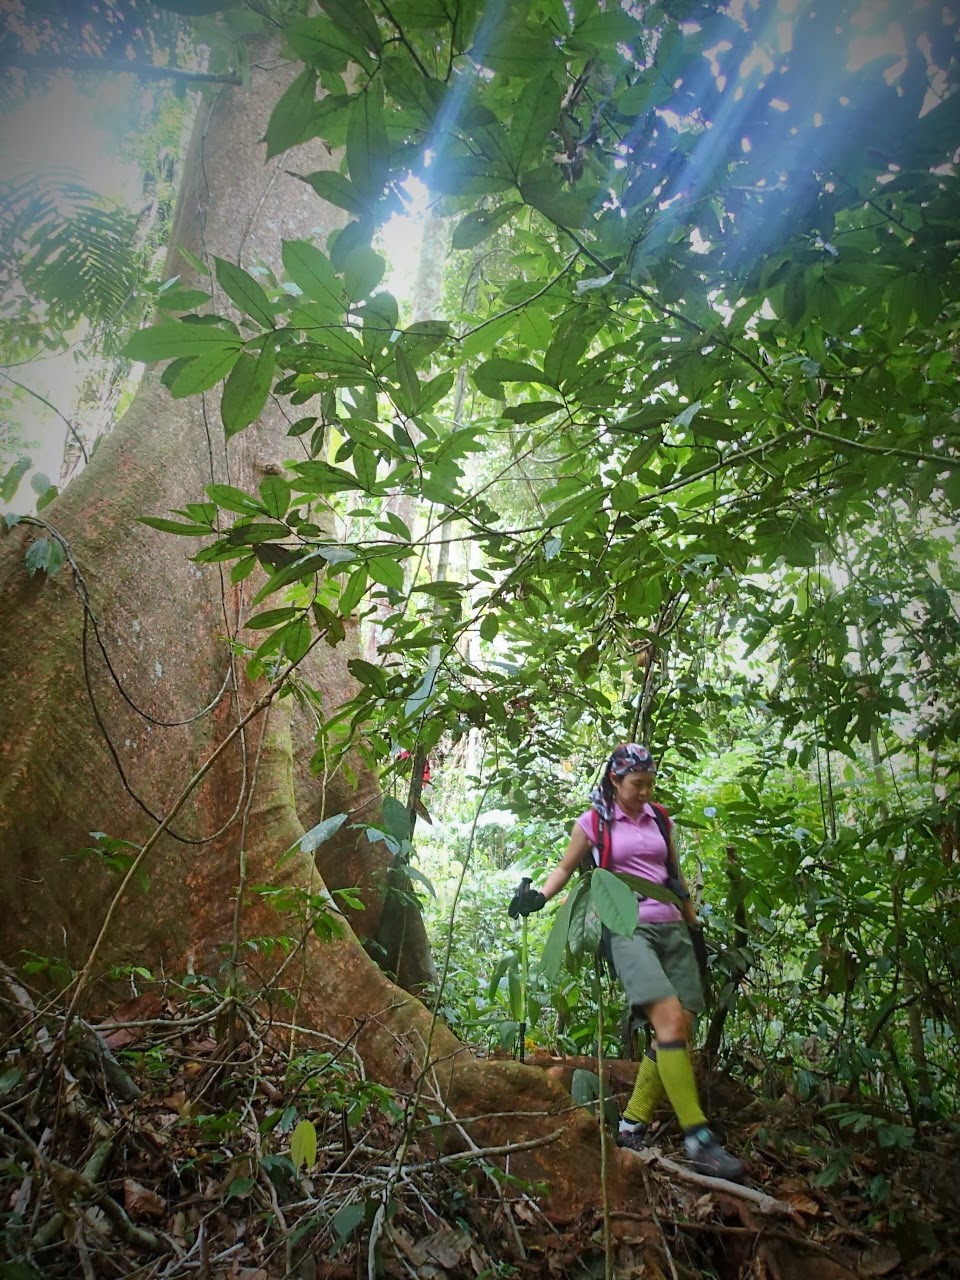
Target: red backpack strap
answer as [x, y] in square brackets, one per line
[602, 840]
[662, 818]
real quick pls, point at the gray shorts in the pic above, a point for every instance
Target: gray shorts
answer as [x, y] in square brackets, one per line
[656, 963]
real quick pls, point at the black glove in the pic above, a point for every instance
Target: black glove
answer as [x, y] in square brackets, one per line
[699, 949]
[525, 900]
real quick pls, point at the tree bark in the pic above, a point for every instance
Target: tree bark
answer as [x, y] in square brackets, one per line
[165, 624]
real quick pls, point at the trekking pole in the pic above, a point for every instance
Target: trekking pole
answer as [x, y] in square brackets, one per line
[524, 885]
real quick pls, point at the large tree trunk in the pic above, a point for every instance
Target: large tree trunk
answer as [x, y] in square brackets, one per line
[164, 622]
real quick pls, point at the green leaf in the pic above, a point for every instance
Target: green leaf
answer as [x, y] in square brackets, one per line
[231, 499]
[476, 227]
[365, 466]
[270, 618]
[172, 339]
[239, 1188]
[352, 594]
[468, 176]
[322, 832]
[243, 568]
[301, 568]
[362, 272]
[649, 888]
[370, 675]
[368, 150]
[202, 372]
[603, 30]
[323, 45]
[396, 818]
[11, 479]
[551, 958]
[409, 383]
[517, 53]
[355, 17]
[492, 373]
[336, 189]
[489, 627]
[275, 493]
[346, 1220]
[386, 571]
[242, 289]
[181, 299]
[613, 902]
[303, 1145]
[534, 118]
[584, 934]
[246, 389]
[421, 15]
[296, 639]
[291, 119]
[9, 1080]
[310, 270]
[46, 555]
[562, 356]
[175, 526]
[544, 189]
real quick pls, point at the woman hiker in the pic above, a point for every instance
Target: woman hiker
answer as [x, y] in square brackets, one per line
[657, 965]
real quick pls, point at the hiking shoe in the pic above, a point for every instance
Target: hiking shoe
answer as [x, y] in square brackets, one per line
[632, 1134]
[708, 1157]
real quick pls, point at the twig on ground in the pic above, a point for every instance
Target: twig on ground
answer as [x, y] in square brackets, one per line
[759, 1199]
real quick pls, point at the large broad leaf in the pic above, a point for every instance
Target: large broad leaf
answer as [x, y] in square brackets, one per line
[536, 115]
[291, 119]
[303, 1145]
[368, 150]
[476, 227]
[275, 495]
[468, 176]
[567, 206]
[355, 17]
[517, 53]
[323, 45]
[245, 391]
[396, 817]
[647, 888]
[421, 15]
[174, 339]
[322, 832]
[201, 373]
[231, 499]
[336, 189]
[490, 375]
[311, 271]
[615, 904]
[246, 292]
[551, 958]
[583, 937]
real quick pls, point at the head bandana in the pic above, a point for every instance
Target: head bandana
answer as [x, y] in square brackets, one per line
[629, 757]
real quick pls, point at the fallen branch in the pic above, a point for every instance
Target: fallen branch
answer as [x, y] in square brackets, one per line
[759, 1199]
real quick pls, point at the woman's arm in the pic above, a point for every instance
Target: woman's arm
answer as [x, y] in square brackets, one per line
[574, 854]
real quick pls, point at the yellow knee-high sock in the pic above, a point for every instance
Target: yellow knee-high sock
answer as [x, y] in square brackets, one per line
[647, 1091]
[676, 1072]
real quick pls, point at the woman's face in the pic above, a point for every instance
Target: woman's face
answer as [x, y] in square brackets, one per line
[633, 790]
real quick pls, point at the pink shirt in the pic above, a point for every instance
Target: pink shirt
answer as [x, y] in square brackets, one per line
[638, 848]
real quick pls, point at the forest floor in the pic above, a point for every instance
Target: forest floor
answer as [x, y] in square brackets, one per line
[172, 1142]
